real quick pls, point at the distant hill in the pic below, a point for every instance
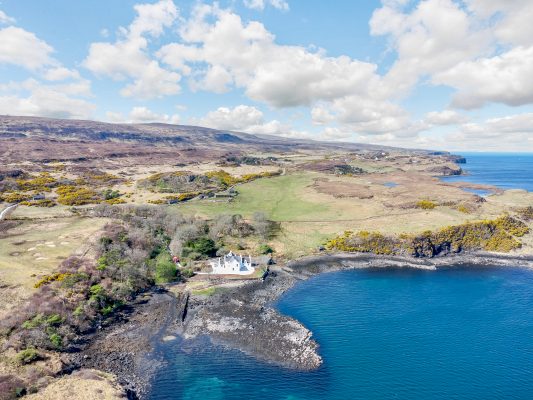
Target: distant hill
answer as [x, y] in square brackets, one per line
[47, 139]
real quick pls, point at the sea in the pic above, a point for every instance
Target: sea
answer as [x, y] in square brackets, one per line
[504, 170]
[454, 333]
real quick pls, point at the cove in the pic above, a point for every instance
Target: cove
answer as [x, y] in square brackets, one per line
[455, 333]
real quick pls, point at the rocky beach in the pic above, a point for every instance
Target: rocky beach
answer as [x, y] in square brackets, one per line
[240, 316]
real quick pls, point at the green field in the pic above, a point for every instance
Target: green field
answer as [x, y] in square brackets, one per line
[307, 218]
[280, 198]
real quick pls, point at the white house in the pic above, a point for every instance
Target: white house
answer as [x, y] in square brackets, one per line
[232, 264]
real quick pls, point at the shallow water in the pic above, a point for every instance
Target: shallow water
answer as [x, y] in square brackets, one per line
[384, 334]
[504, 170]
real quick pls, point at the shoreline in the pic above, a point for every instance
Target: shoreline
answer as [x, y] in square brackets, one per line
[241, 317]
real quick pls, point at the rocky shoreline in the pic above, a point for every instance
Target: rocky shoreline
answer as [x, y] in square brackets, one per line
[240, 316]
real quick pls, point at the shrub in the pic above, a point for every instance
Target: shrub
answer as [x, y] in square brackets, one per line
[27, 356]
[71, 195]
[223, 177]
[39, 203]
[115, 201]
[526, 213]
[464, 209]
[495, 235]
[56, 340]
[47, 279]
[265, 249]
[41, 320]
[202, 245]
[165, 269]
[187, 273]
[426, 204]
[109, 194]
[16, 197]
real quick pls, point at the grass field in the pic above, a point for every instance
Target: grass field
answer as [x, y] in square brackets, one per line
[280, 198]
[307, 218]
[36, 247]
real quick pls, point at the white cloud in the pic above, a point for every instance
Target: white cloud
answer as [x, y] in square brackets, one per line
[433, 37]
[367, 116]
[22, 48]
[261, 4]
[446, 117]
[504, 79]
[335, 133]
[246, 119]
[510, 133]
[6, 19]
[61, 74]
[511, 19]
[246, 56]
[128, 57]
[35, 99]
[239, 118]
[484, 50]
[142, 115]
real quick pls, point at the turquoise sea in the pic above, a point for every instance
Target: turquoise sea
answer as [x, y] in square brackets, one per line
[457, 333]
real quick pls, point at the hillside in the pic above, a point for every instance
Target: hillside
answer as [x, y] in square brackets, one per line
[37, 139]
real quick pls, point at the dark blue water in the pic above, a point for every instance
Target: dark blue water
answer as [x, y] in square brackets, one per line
[384, 334]
[504, 170]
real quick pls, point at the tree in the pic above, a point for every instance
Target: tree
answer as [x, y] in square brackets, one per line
[165, 269]
[203, 246]
[262, 226]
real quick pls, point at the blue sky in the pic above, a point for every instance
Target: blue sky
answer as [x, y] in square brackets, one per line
[433, 73]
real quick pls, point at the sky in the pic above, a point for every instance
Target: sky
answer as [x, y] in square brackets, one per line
[439, 74]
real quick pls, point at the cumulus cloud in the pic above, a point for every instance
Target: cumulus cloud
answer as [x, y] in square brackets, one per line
[483, 50]
[66, 98]
[36, 99]
[433, 37]
[510, 133]
[336, 133]
[245, 55]
[142, 115]
[128, 58]
[505, 78]
[513, 22]
[22, 48]
[246, 119]
[238, 118]
[367, 116]
[261, 4]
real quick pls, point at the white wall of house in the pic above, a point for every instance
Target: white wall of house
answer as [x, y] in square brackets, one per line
[232, 264]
